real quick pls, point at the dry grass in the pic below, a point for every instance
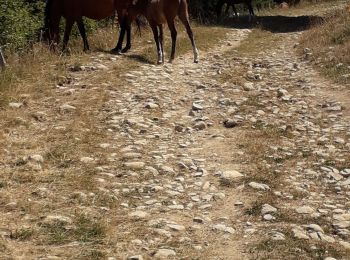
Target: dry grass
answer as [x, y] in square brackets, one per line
[292, 248]
[257, 41]
[329, 43]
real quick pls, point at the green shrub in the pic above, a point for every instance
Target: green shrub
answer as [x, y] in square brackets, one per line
[20, 21]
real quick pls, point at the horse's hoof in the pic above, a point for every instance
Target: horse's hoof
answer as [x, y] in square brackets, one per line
[196, 61]
[125, 50]
[116, 51]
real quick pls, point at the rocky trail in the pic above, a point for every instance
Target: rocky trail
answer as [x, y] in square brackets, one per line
[242, 156]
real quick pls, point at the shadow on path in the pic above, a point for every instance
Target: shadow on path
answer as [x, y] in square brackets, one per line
[274, 24]
[139, 58]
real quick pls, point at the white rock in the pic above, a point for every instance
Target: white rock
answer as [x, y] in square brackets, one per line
[305, 210]
[86, 159]
[268, 217]
[37, 158]
[164, 253]
[151, 105]
[314, 227]
[223, 228]
[278, 236]
[266, 208]
[67, 108]
[299, 233]
[15, 105]
[134, 165]
[259, 186]
[231, 175]
[138, 215]
[176, 227]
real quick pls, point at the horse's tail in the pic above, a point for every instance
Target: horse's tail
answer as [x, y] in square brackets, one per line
[219, 6]
[47, 14]
[139, 24]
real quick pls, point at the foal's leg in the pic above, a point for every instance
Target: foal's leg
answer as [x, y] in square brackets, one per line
[118, 48]
[82, 31]
[156, 39]
[161, 40]
[185, 21]
[235, 10]
[227, 9]
[69, 25]
[251, 11]
[128, 36]
[173, 32]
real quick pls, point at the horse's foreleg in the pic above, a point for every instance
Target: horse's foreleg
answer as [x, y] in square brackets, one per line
[128, 36]
[173, 32]
[161, 40]
[234, 10]
[186, 23]
[69, 25]
[227, 9]
[251, 11]
[82, 31]
[118, 48]
[156, 39]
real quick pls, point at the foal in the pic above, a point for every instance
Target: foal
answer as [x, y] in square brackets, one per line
[232, 3]
[159, 12]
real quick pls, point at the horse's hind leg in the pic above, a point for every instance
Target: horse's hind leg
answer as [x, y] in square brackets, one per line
[156, 39]
[251, 11]
[118, 48]
[82, 31]
[161, 40]
[235, 10]
[185, 21]
[128, 36]
[173, 32]
[69, 25]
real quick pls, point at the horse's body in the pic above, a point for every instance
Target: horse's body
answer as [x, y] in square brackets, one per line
[74, 11]
[231, 3]
[159, 12]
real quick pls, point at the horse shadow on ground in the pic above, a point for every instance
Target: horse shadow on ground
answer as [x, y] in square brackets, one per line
[139, 58]
[136, 57]
[274, 24]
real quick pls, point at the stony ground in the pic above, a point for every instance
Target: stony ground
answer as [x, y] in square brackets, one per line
[242, 156]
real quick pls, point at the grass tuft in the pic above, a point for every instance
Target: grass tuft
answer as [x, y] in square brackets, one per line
[329, 42]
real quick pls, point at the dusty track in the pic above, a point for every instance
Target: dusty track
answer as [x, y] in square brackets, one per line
[146, 167]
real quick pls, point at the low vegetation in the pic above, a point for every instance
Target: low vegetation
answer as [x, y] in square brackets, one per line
[327, 44]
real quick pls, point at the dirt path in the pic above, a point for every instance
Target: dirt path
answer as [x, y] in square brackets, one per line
[242, 156]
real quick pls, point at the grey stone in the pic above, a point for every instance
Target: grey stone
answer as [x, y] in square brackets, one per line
[164, 254]
[266, 208]
[305, 210]
[259, 186]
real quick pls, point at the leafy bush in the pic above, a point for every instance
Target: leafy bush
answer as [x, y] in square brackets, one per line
[20, 21]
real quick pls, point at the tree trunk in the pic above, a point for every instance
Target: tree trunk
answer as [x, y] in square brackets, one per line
[2, 60]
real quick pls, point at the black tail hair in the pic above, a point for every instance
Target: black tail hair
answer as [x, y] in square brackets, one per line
[47, 14]
[140, 22]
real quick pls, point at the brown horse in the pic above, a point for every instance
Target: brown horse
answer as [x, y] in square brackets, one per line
[231, 3]
[74, 11]
[159, 12]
